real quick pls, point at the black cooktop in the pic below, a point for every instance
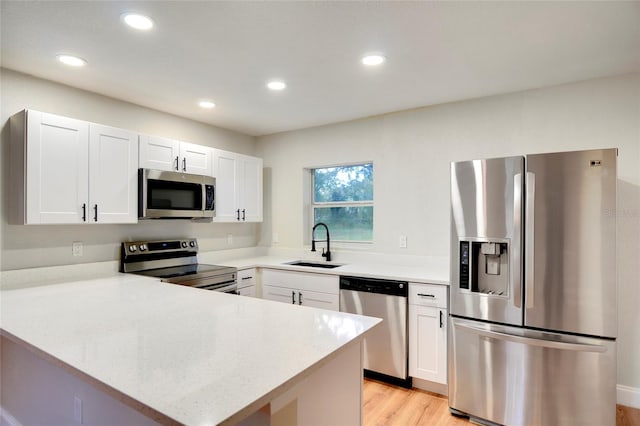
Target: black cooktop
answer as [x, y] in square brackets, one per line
[185, 270]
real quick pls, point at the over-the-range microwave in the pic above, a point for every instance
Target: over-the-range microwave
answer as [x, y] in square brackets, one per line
[174, 195]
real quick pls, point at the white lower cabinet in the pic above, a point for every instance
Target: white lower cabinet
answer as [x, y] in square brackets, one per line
[300, 288]
[428, 332]
[247, 282]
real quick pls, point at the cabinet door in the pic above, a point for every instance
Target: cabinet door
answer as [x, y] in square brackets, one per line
[250, 194]
[159, 153]
[280, 294]
[57, 169]
[249, 291]
[225, 167]
[196, 159]
[113, 165]
[316, 299]
[428, 343]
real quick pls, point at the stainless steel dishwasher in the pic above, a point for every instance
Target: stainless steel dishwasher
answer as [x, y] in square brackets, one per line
[384, 347]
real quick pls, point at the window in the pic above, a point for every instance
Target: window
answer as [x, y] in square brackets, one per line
[343, 199]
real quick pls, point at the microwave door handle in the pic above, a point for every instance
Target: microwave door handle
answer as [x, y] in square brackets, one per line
[203, 204]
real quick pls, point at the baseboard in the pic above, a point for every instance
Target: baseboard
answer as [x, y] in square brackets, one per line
[432, 387]
[6, 419]
[626, 395]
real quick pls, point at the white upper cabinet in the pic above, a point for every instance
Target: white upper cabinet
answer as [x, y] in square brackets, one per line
[113, 166]
[159, 153]
[172, 155]
[76, 172]
[238, 187]
[196, 159]
[57, 158]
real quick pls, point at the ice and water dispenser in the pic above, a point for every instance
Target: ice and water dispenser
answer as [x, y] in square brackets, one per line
[484, 267]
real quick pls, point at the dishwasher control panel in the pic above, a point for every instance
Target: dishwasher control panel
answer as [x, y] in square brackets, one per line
[375, 285]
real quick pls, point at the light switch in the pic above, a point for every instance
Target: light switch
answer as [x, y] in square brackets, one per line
[403, 241]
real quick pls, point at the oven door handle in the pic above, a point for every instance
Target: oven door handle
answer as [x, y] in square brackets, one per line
[223, 288]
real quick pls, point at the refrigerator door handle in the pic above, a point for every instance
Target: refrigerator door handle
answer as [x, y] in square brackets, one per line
[516, 277]
[529, 238]
[531, 341]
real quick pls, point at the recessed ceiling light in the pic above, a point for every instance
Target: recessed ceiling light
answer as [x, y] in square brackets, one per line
[139, 22]
[206, 104]
[73, 61]
[276, 85]
[372, 60]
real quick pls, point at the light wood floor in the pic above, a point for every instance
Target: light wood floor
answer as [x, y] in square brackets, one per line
[394, 406]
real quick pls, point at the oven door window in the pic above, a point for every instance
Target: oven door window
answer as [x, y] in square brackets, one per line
[167, 195]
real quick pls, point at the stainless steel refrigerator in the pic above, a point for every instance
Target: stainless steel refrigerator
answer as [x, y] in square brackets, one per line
[533, 317]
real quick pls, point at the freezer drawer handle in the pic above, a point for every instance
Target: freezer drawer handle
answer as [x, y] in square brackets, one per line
[578, 347]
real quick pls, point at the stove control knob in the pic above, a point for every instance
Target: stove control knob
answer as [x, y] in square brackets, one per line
[192, 243]
[143, 247]
[133, 248]
[184, 244]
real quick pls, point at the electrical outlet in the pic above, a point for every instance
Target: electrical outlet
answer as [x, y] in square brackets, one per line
[77, 409]
[403, 241]
[229, 238]
[76, 248]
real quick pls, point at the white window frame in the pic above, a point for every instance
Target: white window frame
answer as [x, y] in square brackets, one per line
[310, 195]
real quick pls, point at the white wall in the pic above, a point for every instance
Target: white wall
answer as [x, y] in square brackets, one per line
[411, 151]
[46, 245]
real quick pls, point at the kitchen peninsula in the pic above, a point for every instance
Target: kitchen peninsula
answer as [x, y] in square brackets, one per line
[128, 349]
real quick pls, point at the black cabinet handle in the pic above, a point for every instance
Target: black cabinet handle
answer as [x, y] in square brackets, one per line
[238, 214]
[243, 215]
[441, 323]
[95, 213]
[293, 297]
[84, 212]
[184, 164]
[426, 295]
[299, 298]
[177, 160]
[246, 278]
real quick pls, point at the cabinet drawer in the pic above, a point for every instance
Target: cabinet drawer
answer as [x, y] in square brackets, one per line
[246, 277]
[428, 295]
[301, 280]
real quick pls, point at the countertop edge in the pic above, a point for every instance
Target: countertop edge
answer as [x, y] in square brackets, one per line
[97, 383]
[293, 381]
[281, 265]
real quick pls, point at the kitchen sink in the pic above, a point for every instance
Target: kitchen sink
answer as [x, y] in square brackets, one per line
[312, 264]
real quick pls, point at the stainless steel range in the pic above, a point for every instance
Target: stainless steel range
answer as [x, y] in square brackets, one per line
[176, 262]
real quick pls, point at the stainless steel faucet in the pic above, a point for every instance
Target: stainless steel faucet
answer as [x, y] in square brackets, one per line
[326, 255]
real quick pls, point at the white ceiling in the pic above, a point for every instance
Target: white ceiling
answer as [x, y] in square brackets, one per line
[437, 52]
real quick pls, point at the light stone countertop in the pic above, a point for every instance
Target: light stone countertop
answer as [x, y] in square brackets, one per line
[431, 272]
[192, 356]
